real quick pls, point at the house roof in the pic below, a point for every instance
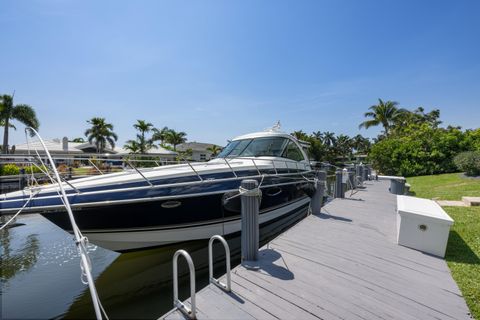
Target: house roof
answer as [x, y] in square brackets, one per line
[56, 146]
[53, 145]
[159, 151]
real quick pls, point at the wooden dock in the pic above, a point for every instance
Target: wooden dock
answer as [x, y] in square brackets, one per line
[341, 264]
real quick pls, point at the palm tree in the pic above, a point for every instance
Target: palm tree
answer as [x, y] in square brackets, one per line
[343, 145]
[143, 143]
[160, 134]
[300, 135]
[214, 149]
[175, 138]
[328, 138]
[101, 133]
[20, 112]
[361, 144]
[132, 146]
[143, 127]
[384, 113]
[79, 140]
[318, 135]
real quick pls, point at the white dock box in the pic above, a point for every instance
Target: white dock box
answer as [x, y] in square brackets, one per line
[423, 225]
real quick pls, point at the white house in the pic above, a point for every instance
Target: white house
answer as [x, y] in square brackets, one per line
[200, 150]
[66, 148]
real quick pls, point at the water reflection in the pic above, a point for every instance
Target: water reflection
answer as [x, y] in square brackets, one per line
[16, 260]
[40, 274]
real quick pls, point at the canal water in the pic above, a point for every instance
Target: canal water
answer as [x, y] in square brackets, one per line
[40, 273]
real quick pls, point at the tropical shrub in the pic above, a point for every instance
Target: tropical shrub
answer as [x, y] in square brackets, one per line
[13, 169]
[9, 170]
[469, 162]
[473, 138]
[420, 150]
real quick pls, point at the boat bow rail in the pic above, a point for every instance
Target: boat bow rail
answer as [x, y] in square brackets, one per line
[215, 171]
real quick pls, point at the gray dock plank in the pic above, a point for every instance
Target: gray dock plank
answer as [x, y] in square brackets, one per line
[341, 264]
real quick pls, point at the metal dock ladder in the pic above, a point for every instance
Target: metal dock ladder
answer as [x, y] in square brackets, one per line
[192, 311]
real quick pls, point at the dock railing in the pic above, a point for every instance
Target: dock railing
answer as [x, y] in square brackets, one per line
[228, 286]
[192, 311]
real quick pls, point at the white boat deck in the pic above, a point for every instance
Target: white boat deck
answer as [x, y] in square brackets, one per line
[342, 264]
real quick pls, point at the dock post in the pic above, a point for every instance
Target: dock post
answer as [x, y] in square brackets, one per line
[358, 175]
[317, 199]
[365, 173]
[397, 186]
[351, 178]
[22, 181]
[250, 195]
[339, 192]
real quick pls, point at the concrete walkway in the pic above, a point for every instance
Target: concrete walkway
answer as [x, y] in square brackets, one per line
[341, 264]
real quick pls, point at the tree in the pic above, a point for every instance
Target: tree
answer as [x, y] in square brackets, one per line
[100, 134]
[20, 112]
[343, 146]
[132, 146]
[361, 144]
[78, 140]
[384, 113]
[316, 150]
[417, 116]
[300, 135]
[420, 150]
[143, 144]
[2, 124]
[160, 134]
[214, 149]
[328, 138]
[175, 138]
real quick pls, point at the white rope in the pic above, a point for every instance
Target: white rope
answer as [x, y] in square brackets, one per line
[249, 192]
[19, 211]
[255, 192]
[80, 240]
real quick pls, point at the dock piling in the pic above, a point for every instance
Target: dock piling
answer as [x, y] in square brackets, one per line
[365, 173]
[250, 194]
[339, 189]
[351, 178]
[397, 186]
[359, 175]
[22, 181]
[317, 199]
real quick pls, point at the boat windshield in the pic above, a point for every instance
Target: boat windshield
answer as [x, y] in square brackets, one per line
[272, 147]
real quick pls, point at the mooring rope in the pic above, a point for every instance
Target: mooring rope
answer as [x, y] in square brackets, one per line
[80, 240]
[253, 192]
[19, 211]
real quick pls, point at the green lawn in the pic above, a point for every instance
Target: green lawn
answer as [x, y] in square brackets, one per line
[463, 252]
[451, 186]
[463, 249]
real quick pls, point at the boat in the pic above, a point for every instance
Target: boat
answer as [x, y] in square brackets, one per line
[150, 207]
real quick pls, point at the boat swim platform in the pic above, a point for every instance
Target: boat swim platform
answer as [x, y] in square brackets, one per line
[341, 264]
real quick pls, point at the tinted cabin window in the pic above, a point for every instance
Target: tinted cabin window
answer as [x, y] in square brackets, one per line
[293, 152]
[272, 147]
[234, 148]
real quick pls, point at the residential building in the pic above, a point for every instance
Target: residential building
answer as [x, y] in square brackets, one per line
[199, 150]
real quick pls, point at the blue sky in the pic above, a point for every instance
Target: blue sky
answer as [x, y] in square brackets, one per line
[217, 69]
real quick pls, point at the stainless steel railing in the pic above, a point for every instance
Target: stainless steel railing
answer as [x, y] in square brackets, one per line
[192, 311]
[228, 286]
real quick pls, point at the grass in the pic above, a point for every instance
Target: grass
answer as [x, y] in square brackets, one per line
[451, 186]
[463, 250]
